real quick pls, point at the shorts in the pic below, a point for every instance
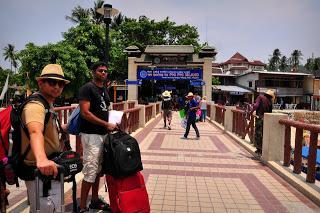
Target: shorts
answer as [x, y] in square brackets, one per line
[167, 114]
[92, 145]
[49, 204]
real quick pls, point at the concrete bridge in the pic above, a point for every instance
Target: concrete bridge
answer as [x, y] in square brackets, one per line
[218, 173]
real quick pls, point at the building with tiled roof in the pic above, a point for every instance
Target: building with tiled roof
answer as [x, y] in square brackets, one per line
[238, 64]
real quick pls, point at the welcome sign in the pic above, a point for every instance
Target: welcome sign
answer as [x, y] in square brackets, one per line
[169, 74]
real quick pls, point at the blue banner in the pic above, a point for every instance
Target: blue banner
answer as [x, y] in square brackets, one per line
[198, 83]
[169, 74]
[128, 82]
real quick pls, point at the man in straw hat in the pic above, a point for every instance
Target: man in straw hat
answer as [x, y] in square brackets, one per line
[192, 106]
[43, 136]
[94, 102]
[166, 107]
[263, 104]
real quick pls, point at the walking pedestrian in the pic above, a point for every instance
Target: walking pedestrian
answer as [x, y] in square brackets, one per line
[192, 106]
[203, 107]
[166, 107]
[94, 104]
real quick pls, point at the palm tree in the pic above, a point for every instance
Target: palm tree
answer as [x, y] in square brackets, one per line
[97, 18]
[283, 63]
[117, 21]
[10, 53]
[274, 61]
[79, 14]
[296, 56]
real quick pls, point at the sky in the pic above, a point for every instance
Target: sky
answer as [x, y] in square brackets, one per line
[253, 28]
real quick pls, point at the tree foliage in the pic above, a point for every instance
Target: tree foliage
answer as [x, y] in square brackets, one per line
[11, 55]
[296, 57]
[274, 61]
[312, 64]
[283, 64]
[84, 44]
[34, 58]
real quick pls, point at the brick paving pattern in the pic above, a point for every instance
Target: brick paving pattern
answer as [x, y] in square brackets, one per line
[213, 174]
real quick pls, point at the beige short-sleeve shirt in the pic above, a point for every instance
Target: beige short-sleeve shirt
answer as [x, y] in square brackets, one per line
[34, 111]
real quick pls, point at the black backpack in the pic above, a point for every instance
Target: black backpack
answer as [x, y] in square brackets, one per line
[166, 104]
[121, 156]
[16, 159]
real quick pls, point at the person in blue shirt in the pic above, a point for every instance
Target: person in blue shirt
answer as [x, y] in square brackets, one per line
[192, 105]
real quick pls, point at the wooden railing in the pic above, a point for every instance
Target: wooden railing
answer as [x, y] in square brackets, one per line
[240, 124]
[64, 112]
[220, 110]
[130, 120]
[148, 115]
[131, 104]
[209, 110]
[157, 108]
[297, 156]
[118, 106]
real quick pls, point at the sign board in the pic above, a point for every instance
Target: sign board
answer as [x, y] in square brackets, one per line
[197, 83]
[169, 74]
[138, 82]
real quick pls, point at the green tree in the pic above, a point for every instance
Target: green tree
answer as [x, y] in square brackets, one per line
[310, 64]
[97, 18]
[283, 64]
[34, 58]
[274, 61]
[11, 55]
[313, 64]
[117, 21]
[78, 15]
[295, 58]
[316, 64]
[216, 81]
[89, 39]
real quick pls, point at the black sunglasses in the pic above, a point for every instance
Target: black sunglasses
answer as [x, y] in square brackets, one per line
[54, 82]
[102, 70]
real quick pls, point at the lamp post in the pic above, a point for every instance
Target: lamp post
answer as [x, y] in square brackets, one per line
[107, 11]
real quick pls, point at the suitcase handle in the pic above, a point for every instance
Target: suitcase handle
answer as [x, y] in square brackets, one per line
[38, 174]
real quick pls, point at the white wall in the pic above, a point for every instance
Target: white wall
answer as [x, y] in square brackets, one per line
[244, 80]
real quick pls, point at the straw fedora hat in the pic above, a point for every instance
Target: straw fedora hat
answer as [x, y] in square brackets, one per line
[189, 94]
[166, 94]
[53, 71]
[270, 93]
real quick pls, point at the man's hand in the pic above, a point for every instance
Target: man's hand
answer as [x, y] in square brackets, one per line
[111, 127]
[48, 168]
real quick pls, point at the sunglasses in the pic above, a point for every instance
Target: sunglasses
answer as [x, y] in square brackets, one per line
[54, 82]
[102, 71]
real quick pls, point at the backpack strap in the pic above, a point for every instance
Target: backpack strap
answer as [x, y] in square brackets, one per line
[34, 97]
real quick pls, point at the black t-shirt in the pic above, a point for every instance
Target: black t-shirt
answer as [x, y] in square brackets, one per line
[99, 104]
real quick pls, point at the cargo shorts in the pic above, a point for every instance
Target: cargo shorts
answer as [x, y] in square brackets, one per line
[92, 145]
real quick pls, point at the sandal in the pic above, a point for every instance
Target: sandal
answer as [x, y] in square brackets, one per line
[100, 205]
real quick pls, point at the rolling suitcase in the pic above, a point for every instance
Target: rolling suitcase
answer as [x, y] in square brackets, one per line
[61, 208]
[128, 194]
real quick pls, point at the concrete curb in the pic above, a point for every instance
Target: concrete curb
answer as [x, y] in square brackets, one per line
[309, 190]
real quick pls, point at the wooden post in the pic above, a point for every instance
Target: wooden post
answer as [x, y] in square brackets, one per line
[297, 151]
[287, 146]
[311, 175]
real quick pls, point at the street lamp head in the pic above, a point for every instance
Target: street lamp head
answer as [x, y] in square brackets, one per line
[107, 11]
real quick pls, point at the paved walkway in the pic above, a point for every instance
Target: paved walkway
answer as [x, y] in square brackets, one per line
[213, 174]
